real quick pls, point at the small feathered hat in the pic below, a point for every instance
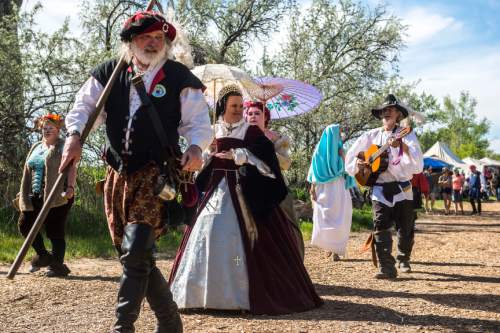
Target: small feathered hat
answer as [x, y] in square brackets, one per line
[146, 21]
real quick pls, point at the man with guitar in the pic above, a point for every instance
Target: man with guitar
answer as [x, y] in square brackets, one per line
[386, 158]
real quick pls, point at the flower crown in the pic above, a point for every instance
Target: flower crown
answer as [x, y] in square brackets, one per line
[52, 117]
[257, 104]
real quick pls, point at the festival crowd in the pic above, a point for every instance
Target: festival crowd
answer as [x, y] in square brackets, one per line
[242, 248]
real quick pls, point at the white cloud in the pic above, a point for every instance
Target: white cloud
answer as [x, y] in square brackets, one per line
[424, 24]
[448, 57]
[475, 70]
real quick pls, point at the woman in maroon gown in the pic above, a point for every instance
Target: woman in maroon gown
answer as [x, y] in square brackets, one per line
[240, 253]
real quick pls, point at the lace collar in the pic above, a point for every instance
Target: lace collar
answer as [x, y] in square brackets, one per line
[229, 128]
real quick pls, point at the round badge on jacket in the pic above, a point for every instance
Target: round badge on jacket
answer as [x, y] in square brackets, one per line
[159, 91]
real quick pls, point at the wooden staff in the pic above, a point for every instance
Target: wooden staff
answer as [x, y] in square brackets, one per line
[62, 176]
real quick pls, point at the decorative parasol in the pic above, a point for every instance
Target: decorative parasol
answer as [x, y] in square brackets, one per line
[285, 97]
[217, 76]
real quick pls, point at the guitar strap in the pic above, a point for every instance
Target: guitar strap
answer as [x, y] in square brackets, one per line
[400, 153]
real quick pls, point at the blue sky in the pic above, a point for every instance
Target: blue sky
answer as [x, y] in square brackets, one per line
[454, 46]
[451, 46]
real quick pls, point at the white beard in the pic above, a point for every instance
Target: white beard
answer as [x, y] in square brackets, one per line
[149, 58]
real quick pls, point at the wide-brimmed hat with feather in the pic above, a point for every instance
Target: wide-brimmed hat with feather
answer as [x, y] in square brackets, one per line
[389, 101]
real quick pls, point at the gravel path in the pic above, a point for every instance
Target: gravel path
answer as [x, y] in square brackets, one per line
[454, 287]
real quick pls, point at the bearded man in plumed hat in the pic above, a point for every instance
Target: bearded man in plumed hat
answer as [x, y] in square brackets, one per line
[392, 194]
[134, 154]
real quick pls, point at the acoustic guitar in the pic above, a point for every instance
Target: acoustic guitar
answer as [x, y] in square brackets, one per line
[377, 159]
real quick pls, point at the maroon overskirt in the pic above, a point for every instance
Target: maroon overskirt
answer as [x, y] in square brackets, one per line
[278, 281]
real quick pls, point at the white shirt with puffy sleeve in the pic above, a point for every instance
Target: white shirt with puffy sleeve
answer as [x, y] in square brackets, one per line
[410, 163]
[195, 121]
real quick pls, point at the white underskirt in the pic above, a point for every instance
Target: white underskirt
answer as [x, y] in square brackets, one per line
[212, 273]
[332, 216]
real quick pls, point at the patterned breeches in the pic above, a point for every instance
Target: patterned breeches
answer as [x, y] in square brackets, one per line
[130, 199]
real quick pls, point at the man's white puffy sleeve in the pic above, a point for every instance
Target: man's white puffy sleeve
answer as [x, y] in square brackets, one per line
[85, 105]
[195, 122]
[414, 160]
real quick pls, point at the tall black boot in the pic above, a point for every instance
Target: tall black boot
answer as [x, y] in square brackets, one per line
[160, 299]
[137, 262]
[383, 248]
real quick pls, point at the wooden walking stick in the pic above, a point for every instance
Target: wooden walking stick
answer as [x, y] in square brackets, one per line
[62, 176]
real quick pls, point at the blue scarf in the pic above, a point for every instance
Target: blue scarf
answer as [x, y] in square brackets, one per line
[327, 165]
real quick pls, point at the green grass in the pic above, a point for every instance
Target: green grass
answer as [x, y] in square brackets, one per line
[88, 235]
[306, 229]
[361, 220]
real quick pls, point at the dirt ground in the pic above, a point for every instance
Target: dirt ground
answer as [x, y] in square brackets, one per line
[454, 287]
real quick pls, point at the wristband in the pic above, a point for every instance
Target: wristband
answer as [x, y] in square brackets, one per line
[73, 132]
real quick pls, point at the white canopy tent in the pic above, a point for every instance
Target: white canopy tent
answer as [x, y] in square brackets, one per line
[441, 151]
[473, 161]
[489, 162]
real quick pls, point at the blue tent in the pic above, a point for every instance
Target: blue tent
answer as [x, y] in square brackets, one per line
[435, 163]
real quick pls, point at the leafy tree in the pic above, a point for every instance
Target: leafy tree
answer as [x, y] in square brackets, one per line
[12, 131]
[222, 31]
[102, 20]
[494, 155]
[9, 7]
[41, 75]
[457, 124]
[345, 49]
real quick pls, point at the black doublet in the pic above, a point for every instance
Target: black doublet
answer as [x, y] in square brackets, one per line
[143, 144]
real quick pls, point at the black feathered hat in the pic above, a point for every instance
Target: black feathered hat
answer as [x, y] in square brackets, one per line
[390, 100]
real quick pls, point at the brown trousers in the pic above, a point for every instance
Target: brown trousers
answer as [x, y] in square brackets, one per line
[130, 199]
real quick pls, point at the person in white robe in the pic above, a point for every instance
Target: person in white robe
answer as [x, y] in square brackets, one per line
[332, 205]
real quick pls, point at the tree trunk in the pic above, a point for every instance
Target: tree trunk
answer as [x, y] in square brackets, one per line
[13, 136]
